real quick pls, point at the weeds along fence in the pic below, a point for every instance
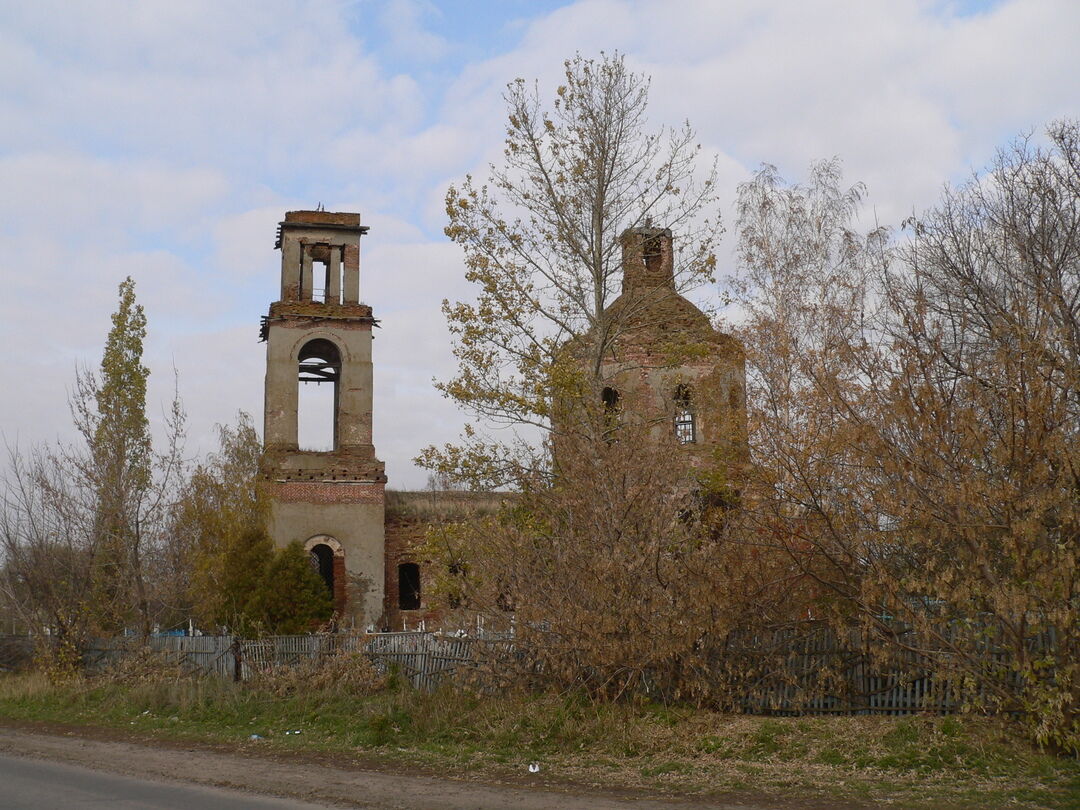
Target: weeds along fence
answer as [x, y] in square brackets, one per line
[793, 671]
[789, 671]
[423, 658]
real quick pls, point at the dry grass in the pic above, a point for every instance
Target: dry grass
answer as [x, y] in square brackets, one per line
[345, 707]
[141, 666]
[344, 673]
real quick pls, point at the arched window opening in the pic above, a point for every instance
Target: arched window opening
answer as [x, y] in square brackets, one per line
[322, 560]
[408, 586]
[652, 253]
[317, 400]
[685, 421]
[610, 398]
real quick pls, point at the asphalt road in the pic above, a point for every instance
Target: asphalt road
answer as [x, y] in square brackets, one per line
[30, 784]
[67, 769]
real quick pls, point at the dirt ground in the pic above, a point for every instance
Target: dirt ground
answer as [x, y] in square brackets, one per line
[334, 782]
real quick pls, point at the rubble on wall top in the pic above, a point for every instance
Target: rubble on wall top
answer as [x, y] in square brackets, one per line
[322, 218]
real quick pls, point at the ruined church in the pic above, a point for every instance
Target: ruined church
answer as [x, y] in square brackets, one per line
[335, 500]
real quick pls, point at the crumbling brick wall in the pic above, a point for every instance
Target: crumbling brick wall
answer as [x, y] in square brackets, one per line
[408, 517]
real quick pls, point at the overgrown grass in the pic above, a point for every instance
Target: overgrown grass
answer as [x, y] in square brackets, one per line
[912, 762]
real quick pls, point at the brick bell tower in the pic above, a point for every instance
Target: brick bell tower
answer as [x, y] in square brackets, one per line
[319, 334]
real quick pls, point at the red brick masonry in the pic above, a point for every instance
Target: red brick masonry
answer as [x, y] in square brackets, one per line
[318, 492]
[340, 581]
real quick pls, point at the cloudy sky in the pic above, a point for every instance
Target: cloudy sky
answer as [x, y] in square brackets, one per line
[165, 140]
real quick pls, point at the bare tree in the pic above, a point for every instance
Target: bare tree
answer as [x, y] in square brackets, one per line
[49, 552]
[914, 415]
[541, 243]
[979, 429]
[806, 284]
[600, 557]
[614, 577]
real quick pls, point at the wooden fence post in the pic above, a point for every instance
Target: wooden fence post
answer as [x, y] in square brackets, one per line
[238, 661]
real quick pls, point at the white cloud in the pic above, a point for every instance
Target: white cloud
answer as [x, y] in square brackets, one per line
[401, 157]
[885, 85]
[220, 373]
[402, 20]
[243, 240]
[406, 283]
[257, 87]
[89, 199]
[61, 320]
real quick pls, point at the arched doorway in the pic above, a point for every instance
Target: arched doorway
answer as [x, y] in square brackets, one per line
[328, 560]
[322, 560]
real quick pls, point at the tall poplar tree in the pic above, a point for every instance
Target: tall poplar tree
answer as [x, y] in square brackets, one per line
[120, 450]
[129, 481]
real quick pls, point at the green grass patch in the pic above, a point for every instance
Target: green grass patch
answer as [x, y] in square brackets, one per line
[912, 762]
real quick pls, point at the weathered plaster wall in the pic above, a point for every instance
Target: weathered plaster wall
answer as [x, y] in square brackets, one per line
[285, 339]
[355, 520]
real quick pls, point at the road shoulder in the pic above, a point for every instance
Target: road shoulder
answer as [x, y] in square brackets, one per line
[334, 782]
